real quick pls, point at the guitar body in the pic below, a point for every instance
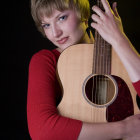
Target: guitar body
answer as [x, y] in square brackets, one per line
[74, 66]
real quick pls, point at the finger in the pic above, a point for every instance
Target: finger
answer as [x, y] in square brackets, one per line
[106, 6]
[114, 8]
[97, 19]
[98, 11]
[94, 25]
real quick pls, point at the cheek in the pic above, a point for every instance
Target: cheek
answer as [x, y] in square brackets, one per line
[48, 35]
[73, 26]
[76, 29]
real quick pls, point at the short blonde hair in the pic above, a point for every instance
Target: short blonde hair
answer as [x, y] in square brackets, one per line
[40, 8]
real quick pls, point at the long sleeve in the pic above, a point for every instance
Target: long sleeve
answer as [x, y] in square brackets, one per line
[137, 87]
[44, 122]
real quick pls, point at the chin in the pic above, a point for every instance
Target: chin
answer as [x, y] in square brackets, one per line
[63, 47]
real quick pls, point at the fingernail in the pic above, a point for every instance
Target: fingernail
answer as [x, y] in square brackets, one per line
[93, 7]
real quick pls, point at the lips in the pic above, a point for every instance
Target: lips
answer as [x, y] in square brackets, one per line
[63, 40]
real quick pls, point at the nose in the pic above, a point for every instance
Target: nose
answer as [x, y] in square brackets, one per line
[57, 31]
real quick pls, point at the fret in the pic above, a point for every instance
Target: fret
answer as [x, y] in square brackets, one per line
[102, 52]
[102, 55]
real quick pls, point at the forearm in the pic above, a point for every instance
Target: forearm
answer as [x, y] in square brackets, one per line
[128, 56]
[101, 131]
[109, 26]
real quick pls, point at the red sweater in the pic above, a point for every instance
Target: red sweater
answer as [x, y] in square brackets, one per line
[44, 94]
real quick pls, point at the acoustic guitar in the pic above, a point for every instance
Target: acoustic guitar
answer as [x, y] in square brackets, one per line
[96, 86]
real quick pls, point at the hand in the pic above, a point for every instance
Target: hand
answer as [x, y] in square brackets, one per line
[132, 127]
[107, 23]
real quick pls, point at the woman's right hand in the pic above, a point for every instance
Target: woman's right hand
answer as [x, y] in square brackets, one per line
[132, 127]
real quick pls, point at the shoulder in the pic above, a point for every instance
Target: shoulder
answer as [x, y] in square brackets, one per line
[43, 64]
[45, 57]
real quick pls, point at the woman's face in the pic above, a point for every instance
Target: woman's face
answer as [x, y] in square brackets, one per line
[64, 28]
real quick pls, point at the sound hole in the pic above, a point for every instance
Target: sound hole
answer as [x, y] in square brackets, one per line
[100, 90]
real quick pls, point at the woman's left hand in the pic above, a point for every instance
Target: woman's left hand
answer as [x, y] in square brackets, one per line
[107, 23]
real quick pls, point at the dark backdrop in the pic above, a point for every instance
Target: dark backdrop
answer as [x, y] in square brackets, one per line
[20, 40]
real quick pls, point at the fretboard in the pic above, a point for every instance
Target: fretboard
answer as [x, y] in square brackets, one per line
[102, 53]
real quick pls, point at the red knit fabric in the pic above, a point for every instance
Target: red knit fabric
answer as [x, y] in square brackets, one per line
[44, 123]
[44, 94]
[137, 87]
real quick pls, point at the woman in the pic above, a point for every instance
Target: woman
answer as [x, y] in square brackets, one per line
[64, 23]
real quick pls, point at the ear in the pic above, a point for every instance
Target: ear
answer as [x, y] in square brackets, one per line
[86, 22]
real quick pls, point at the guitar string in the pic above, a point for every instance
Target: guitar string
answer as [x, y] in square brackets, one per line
[106, 64]
[101, 68]
[98, 68]
[100, 71]
[95, 67]
[93, 72]
[103, 61]
[98, 62]
[103, 72]
[97, 72]
[109, 70]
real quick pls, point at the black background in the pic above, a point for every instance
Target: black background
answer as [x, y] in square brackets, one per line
[20, 40]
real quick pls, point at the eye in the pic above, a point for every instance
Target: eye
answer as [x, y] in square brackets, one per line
[46, 25]
[63, 18]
